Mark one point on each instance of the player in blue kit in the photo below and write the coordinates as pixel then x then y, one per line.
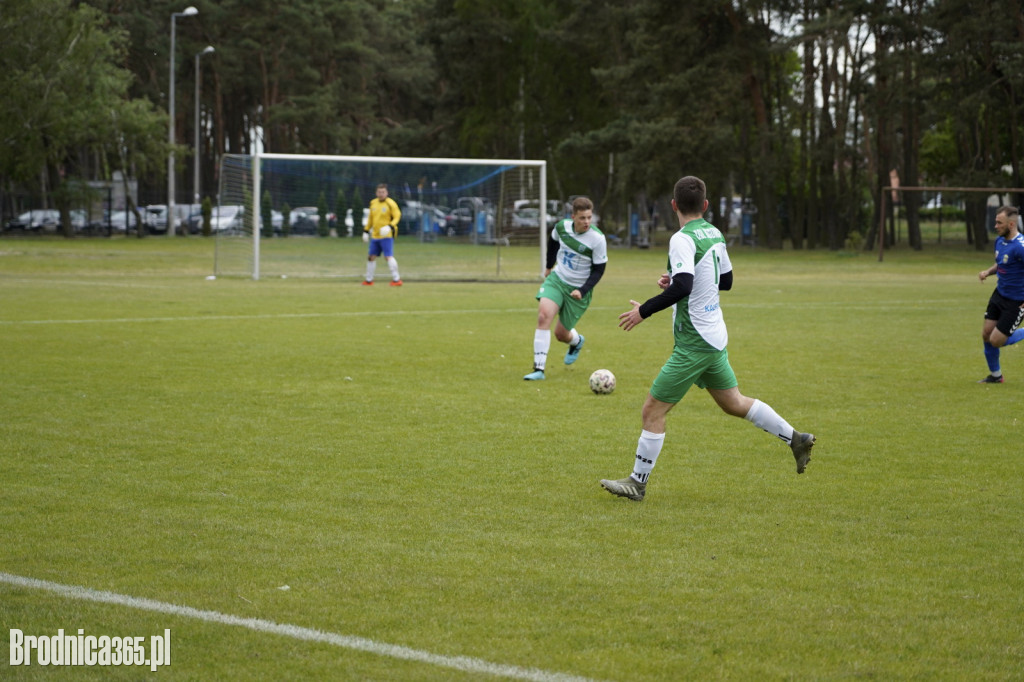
pixel 1005 312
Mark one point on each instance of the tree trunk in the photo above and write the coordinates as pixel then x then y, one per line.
pixel 883 138
pixel 976 213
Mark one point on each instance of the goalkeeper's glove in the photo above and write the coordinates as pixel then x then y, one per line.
pixel 366 236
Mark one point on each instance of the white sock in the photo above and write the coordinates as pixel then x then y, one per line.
pixel 764 417
pixel 575 337
pixel 647 450
pixel 393 265
pixel 541 345
pixel 371 267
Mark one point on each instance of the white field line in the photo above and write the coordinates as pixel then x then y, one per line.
pixel 889 305
pixel 266 316
pixel 90 282
pixel 462 663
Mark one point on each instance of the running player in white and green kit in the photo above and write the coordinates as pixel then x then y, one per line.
pixel 576 258
pixel 698 268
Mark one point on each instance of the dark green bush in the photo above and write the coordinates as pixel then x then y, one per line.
pixel 945 213
pixel 286 222
pixel 207 214
pixel 323 226
pixel 267 215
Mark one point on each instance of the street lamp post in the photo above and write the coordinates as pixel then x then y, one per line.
pixel 189 12
pixel 195 165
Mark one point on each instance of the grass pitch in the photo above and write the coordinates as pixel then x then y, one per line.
pixel 207 443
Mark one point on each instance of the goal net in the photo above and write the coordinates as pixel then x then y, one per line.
pixel 290 215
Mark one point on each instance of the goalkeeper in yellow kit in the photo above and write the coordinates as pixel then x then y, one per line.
pixel 381 228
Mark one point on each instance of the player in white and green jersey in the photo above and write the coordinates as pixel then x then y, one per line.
pixel 576 257
pixel 698 269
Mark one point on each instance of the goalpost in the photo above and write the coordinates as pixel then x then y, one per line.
pixel 303 215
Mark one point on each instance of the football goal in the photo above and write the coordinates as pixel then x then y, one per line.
pixel 298 215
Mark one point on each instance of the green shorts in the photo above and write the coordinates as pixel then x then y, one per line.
pixel 685 368
pixel 569 309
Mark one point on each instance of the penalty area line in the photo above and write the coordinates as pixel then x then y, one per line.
pixel 461 663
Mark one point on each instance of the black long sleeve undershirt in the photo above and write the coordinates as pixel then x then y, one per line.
pixel 552 254
pixel 596 272
pixel 680 288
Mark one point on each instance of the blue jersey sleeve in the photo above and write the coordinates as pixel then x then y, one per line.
pixel 1010 267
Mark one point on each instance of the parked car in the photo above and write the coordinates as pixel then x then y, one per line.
pixel 413 212
pixel 36 220
pixel 79 220
pixel 227 219
pixel 183 215
pixel 49 221
pixel 556 209
pixel 121 221
pixel 155 217
pixel 527 216
pixel 304 220
pixel 276 221
pixel 95 224
pixel 461 220
pixel 194 223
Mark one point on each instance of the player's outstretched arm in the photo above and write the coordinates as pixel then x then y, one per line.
pixel 631 318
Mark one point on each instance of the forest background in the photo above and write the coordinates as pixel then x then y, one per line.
pixel 805 109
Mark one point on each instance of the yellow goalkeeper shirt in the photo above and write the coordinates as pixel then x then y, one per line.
pixel 383 213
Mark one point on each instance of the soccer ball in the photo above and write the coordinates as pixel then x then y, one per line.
pixel 602 382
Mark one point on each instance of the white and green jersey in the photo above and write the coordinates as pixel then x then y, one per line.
pixel 577 252
pixel 698 248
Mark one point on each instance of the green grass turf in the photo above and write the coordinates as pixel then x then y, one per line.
pixel 204 443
